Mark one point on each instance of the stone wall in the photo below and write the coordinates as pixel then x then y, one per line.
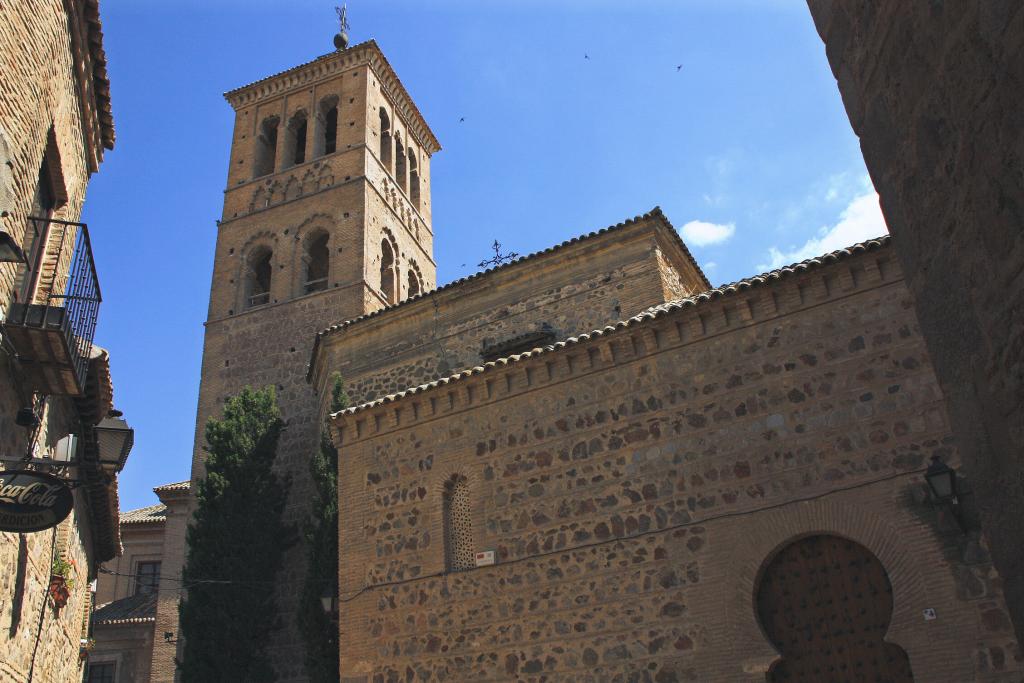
pixel 40 92
pixel 572 289
pixel 633 484
pixel 933 91
pixel 36 637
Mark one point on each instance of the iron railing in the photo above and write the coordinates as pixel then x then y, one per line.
pixel 63 291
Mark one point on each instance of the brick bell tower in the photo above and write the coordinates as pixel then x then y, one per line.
pixel 326 217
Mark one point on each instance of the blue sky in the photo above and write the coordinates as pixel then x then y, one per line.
pixel 576 117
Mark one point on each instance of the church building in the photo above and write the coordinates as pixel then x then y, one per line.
pixel 589 463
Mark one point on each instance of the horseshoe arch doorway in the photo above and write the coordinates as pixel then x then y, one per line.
pixel 825 603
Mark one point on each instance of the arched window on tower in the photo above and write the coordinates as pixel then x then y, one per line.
pixel 458 526
pixel 387 272
pixel 266 147
pixel 295 139
pixel 317 262
pixel 414 284
pixel 258 278
pixel 385 139
pixel 414 180
pixel 399 161
pixel 326 141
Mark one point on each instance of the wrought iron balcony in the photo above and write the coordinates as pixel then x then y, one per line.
pixel 52 321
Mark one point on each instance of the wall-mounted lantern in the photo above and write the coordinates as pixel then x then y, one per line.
pixel 115 440
pixel 329 602
pixel 942 481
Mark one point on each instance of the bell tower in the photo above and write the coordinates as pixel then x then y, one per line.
pixel 326 217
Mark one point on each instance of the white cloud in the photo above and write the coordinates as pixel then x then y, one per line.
pixel 702 233
pixel 859 221
pixel 710 266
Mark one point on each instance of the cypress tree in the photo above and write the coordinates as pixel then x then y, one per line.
pixel 236 544
pixel 319 632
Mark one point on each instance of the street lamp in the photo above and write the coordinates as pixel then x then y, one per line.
pixel 114 439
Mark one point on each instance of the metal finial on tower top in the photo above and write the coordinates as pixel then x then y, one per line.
pixel 341 37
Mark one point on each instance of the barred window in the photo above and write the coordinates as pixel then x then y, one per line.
pixel 458 526
pixel 101 672
pixel 147 577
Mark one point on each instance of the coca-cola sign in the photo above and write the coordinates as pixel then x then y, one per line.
pixel 32 501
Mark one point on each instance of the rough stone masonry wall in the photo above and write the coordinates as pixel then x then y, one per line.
pixel 632 486
pixel 35 637
pixel 581 288
pixel 933 90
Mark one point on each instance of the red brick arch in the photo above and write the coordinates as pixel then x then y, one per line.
pixel 914 577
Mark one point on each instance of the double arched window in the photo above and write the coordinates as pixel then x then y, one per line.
pixel 459 554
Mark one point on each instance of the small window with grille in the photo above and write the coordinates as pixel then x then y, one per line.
pixel 147 577
pixel 101 672
pixel 458 526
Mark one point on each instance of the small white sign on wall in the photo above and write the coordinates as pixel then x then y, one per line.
pixel 485 558
pixel 929 614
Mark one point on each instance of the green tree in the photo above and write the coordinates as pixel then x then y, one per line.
pixel 318 629
pixel 236 543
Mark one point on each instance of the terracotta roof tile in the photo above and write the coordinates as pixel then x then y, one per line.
pixel 152 513
pixel 137 609
pixel 176 486
pixel 101 81
pixel 649 314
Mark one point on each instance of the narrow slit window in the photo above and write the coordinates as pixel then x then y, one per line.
pixel 387 271
pixel 297 139
pixel 260 273
pixel 399 162
pixel 266 147
pixel 317 264
pixel 458 526
pixel 385 139
pixel 414 180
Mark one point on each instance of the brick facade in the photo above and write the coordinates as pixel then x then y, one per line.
pixel 933 92
pixel 54 105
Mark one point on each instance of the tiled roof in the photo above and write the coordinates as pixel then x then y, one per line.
pixel 176 486
pixel 649 314
pixel 101 82
pixel 655 213
pixel 138 609
pixel 153 513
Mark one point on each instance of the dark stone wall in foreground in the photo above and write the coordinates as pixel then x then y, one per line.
pixel 933 90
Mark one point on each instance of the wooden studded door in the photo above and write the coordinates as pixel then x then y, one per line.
pixel 826 602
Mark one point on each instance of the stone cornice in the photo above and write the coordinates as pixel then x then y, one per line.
pixel 327 66
pixel 679 323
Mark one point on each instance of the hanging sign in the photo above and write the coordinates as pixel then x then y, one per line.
pixel 32 501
